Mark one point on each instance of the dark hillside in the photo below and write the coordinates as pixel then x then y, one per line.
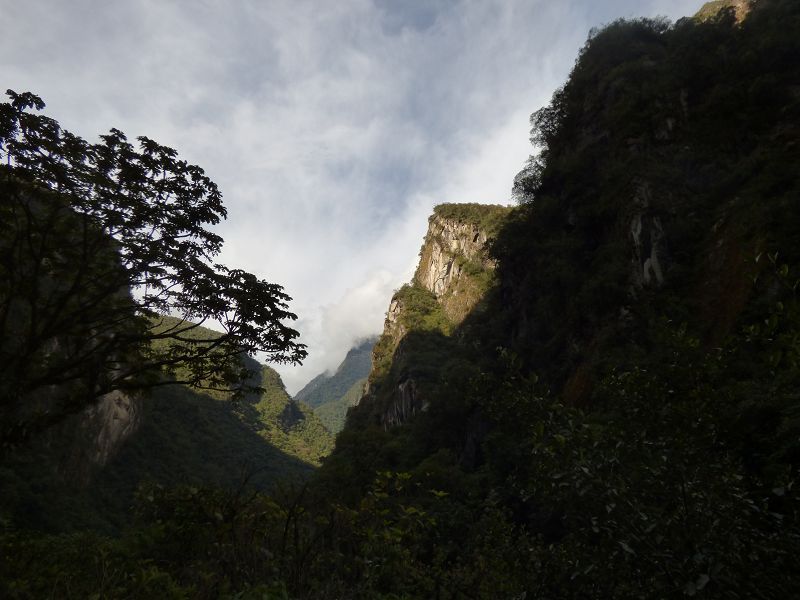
pixel 86 473
pixel 626 391
pixel 591 395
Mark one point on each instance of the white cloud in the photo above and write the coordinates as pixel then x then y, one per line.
pixel 332 128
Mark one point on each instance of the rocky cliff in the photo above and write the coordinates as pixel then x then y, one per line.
pixel 711 9
pixel 454 262
pixel 97 433
pixel 454 273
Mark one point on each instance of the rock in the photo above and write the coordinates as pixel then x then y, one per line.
pixel 455 267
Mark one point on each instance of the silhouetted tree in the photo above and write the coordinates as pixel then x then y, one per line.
pixel 97 243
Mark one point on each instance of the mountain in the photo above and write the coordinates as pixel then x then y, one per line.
pixel 590 395
pixel 332 395
pixel 416 348
pixel 334 413
pixel 615 413
pixel 711 10
pixel 326 388
pixel 86 472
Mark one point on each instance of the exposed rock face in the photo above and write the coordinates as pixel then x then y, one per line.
pixel 407 402
pixel 99 432
pixel 114 418
pixel 447 241
pixel 710 9
pixel 649 245
pixel 451 247
pixel 456 268
pixel 392 325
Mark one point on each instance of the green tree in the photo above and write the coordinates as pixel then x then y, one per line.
pixel 98 241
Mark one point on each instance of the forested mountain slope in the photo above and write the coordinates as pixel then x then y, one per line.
pixel 590 395
pixel 623 403
pixel 87 471
pixel 330 395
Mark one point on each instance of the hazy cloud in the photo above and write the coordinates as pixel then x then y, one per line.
pixel 332 128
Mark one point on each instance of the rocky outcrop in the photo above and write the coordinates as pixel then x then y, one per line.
pixel 711 9
pixel 649 244
pixel 455 269
pixel 392 326
pixel 447 245
pixel 97 433
pixel 406 403
pixel 453 255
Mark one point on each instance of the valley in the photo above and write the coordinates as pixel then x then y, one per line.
pixel 589 394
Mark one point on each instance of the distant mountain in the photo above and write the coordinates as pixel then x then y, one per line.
pixel 326 388
pixel 333 413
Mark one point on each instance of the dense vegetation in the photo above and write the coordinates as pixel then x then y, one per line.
pixel 619 417
pixel 330 395
pixel 613 429
pixel 179 435
pixel 98 239
pixel 333 413
pixel 489 218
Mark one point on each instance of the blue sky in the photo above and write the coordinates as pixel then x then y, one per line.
pixel 332 128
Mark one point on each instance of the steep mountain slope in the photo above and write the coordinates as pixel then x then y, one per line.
pixel 284 423
pixel 334 413
pixel 623 402
pixel 331 395
pixel 326 388
pixel 85 473
pixel 612 413
pixel 454 273
pixel 288 424
pixel 711 9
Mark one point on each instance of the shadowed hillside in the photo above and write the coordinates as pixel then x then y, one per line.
pixel 590 395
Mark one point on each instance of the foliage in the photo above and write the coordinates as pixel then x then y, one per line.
pixel 100 239
pixel 587 434
pixel 654 130
pixel 326 387
pixel 421 311
pixel 289 425
pixel 488 218
pixel 333 414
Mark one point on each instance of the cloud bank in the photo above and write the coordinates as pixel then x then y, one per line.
pixel 332 128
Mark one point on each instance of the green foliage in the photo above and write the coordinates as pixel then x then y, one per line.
pixel 326 388
pixel 488 218
pixel 288 425
pixel 101 238
pixel 80 566
pixel 684 130
pixel 333 414
pixel 654 490
pixel 670 472
pixel 421 311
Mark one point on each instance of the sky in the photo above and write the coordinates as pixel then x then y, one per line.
pixel 331 127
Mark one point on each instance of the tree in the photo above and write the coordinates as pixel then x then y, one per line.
pixel 98 243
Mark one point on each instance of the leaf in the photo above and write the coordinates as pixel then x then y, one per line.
pixel 701 582
pixel 627 548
